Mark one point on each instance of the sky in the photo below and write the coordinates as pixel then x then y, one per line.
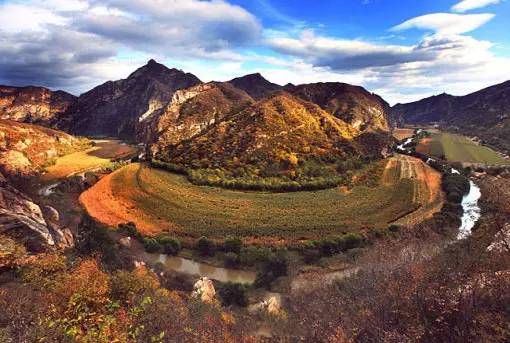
pixel 403 50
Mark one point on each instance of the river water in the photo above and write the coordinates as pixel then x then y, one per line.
pixel 472 212
pixel 191 267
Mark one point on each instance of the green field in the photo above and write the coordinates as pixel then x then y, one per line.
pixel 162 201
pixel 457 148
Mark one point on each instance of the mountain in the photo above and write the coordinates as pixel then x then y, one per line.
pixel 26 148
pixel 115 108
pixel 485 113
pixel 33 104
pixel 274 129
pixel 353 104
pixel 255 85
pixel 192 111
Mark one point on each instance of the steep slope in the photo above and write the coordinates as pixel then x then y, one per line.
pixel 26 148
pixel 354 105
pixel 281 128
pixel 117 107
pixel 255 85
pixel 485 113
pixel 33 104
pixel 192 111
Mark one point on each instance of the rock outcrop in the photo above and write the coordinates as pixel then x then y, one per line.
pixel 116 108
pixel 22 220
pixel 33 104
pixel 204 290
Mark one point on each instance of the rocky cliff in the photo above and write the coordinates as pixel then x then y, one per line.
pixel 33 104
pixel 192 111
pixel 25 148
pixel 356 106
pixel 116 108
pixel 23 220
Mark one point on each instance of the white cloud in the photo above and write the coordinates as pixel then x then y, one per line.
pixel 446 23
pixel 467 5
pixel 343 54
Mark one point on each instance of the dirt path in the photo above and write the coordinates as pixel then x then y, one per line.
pixel 110 207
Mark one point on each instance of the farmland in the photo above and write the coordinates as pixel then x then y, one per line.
pixel 161 201
pixel 97 156
pixel 457 148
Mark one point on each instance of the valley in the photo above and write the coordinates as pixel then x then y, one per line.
pixel 247 210
pixel 159 201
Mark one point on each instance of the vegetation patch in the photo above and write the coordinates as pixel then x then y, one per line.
pixel 158 201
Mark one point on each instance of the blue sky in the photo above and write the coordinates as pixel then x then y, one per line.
pixel 402 50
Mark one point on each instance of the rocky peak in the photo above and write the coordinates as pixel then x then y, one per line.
pixel 117 108
pixel 255 85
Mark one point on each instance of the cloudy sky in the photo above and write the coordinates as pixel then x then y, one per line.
pixel 402 50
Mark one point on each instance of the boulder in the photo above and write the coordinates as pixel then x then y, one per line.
pixel 204 290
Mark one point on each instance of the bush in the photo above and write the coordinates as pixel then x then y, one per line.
pixel 274 266
pixel 151 245
pixel 253 255
pixel 169 245
pixel 311 256
pixel 231 260
pixel 206 246
pixel 233 294
pixel 233 245
pixel 332 245
pixel 130 230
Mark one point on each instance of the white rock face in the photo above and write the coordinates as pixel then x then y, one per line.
pixel 204 290
pixel 501 241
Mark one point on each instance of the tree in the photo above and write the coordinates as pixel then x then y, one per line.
pixel 206 246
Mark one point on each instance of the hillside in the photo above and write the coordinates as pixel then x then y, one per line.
pixel 192 111
pixel 33 104
pixel 281 129
pixel 115 108
pixel 255 85
pixel 485 113
pixel 356 106
pixel 25 148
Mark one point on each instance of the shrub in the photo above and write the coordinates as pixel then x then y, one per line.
pixel 273 267
pixel 394 228
pixel 311 256
pixel 253 255
pixel 151 245
pixel 206 246
pixel 233 294
pixel 130 230
pixel 231 260
pixel 169 245
pixel 233 245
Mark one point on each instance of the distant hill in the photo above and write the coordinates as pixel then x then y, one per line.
pixel 485 113
pixel 356 106
pixel 116 107
pixel 33 104
pixel 255 85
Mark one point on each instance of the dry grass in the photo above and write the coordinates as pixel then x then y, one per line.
pixel 402 134
pixel 98 156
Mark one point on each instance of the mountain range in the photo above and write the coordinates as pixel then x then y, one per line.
pixel 485 113
pixel 174 112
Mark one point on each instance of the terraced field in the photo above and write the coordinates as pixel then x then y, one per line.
pixel 160 201
pixel 98 156
pixel 457 148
